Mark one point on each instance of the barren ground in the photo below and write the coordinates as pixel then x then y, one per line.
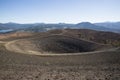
pixel 101 65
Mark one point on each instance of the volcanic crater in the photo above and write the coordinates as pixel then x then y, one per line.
pixel 58 44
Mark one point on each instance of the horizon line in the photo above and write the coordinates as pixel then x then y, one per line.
pixel 58 22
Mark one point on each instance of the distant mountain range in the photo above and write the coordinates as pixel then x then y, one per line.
pixel 112 25
pixel 40 27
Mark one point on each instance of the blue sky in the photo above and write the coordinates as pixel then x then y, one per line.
pixel 55 11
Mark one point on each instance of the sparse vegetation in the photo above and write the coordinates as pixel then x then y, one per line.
pixel 92 35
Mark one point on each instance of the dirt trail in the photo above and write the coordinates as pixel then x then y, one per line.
pixel 3 42
pixel 12 46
